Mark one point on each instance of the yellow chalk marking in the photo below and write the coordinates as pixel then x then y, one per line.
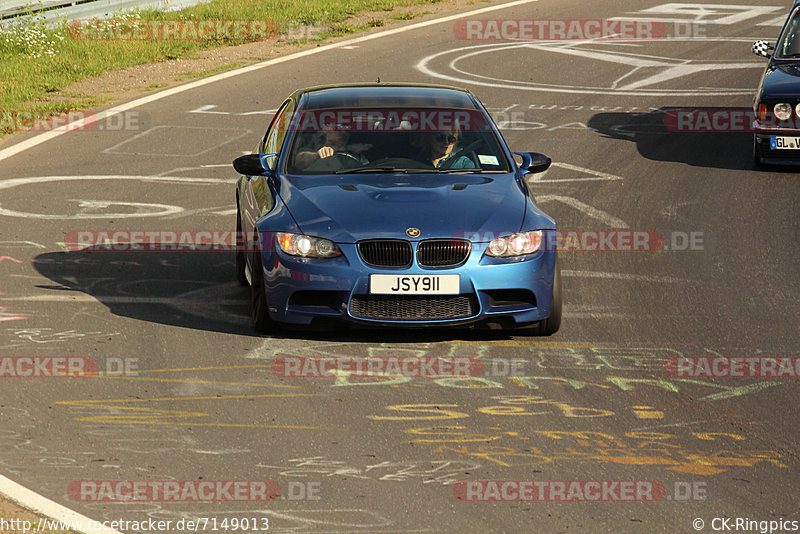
pixel 519 343
pixel 197 381
pixel 213 368
pixel 149 416
pixel 647 412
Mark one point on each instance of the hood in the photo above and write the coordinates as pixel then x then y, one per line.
pixel 349 208
pixel 782 80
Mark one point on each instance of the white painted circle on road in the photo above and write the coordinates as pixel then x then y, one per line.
pixel 145 209
pixel 450 66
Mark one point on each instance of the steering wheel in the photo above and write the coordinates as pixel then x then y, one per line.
pixel 338 161
pixel 454 157
pixel 347 156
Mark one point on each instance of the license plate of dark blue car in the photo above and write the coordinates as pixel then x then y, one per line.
pixel 778 143
pixel 434 284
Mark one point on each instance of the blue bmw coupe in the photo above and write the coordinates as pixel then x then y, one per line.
pixel 393 205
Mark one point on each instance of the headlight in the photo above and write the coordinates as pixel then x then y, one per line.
pixel 516 244
pixel 307 246
pixel 783 111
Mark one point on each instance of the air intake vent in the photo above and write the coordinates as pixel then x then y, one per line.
pixel 413 307
pixel 385 252
pixel 443 252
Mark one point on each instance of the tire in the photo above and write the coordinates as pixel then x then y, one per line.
pixel 259 309
pixel 549 326
pixel 241 265
pixel 757 163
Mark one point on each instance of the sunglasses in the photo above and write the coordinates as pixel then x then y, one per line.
pixel 338 127
pixel 441 138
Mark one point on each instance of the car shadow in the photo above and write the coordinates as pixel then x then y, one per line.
pixel 659 137
pixel 183 288
pixel 198 290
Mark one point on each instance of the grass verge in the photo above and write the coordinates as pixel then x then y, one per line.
pixel 14 520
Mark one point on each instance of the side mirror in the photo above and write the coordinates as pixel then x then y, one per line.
pixel 252 164
pixel 762 48
pixel 534 162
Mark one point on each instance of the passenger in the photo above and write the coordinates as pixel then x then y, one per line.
pixel 436 149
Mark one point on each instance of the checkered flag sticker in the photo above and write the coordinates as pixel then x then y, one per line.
pixel 761 48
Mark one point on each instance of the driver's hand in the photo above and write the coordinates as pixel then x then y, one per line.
pixel 325 152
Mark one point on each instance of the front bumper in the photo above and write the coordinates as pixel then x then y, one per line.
pixel 767 154
pixel 508 291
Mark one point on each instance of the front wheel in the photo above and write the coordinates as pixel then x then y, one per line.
pixel 757 163
pixel 241 266
pixel 259 309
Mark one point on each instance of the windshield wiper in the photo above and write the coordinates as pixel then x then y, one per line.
pixel 472 171
pixel 389 169
pixel 381 169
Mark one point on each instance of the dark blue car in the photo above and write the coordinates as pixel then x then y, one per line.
pixel 393 205
pixel 776 140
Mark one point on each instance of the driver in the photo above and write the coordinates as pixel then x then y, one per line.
pixel 337 140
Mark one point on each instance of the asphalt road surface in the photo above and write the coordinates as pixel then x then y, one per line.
pixel 192 394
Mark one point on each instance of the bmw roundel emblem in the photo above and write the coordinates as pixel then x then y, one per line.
pixel 413 232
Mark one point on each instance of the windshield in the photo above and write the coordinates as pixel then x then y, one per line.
pixel 344 141
pixel 788 46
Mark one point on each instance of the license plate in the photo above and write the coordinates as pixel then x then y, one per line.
pixel 784 143
pixel 430 284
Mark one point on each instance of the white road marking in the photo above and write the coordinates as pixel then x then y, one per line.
pixel 209 107
pixel 218 210
pixel 625 276
pixel 110 299
pixel 777 21
pixel 702 13
pixel 220 452
pixel 591 211
pixel 593 175
pixel 225 213
pixel 171 131
pixel 16 182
